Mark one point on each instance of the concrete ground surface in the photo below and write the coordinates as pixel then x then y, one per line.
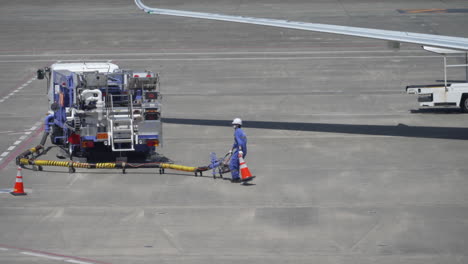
pixel 348 169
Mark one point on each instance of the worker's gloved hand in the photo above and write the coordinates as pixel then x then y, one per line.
pixel 230 152
pixel 241 154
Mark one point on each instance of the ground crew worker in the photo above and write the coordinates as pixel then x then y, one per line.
pixel 240 144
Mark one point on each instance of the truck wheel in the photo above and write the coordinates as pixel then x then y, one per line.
pixel 464 104
pixel 56 132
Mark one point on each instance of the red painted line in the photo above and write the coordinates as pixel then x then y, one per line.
pixel 54 254
pixel 21 148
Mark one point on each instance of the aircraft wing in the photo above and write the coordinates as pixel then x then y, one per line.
pixel 446 42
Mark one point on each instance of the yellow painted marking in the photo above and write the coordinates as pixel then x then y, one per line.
pixel 432 10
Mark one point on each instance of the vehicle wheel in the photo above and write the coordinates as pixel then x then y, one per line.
pixel 56 132
pixel 464 104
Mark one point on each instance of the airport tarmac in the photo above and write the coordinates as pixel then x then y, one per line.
pixel 348 169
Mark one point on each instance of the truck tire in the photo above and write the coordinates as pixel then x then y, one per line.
pixel 464 104
pixel 56 132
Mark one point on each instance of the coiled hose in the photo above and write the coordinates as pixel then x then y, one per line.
pixel 26 158
pixel 109 165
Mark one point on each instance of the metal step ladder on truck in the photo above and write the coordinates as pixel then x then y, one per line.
pixel 100 106
pixel 448 93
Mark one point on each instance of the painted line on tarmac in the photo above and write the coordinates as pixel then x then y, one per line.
pixel 10 148
pixel 41 255
pixel 7 156
pixel 432 10
pixel 319 42
pixel 213 53
pixel 17 89
pixel 52 256
pixel 77 261
pixel 243 59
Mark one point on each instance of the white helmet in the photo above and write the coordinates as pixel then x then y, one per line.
pixel 237 121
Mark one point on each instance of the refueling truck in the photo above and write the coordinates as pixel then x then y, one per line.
pixel 100 106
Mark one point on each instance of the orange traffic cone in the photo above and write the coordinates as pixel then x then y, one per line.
pixel 244 170
pixel 18 190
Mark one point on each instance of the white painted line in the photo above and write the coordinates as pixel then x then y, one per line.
pixel 21 139
pixel 145 54
pixel 41 255
pixel 3 249
pixel 245 59
pixel 276 58
pixel 77 261
pixel 16 90
pixel 5 191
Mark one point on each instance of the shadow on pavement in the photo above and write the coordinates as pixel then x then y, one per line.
pixel 399 130
pixel 437 111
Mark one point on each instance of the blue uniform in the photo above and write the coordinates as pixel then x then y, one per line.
pixel 240 142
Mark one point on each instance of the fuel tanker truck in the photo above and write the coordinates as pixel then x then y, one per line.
pixel 98 106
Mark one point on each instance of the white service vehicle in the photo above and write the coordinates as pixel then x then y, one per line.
pixel 445 94
pixel 437 95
